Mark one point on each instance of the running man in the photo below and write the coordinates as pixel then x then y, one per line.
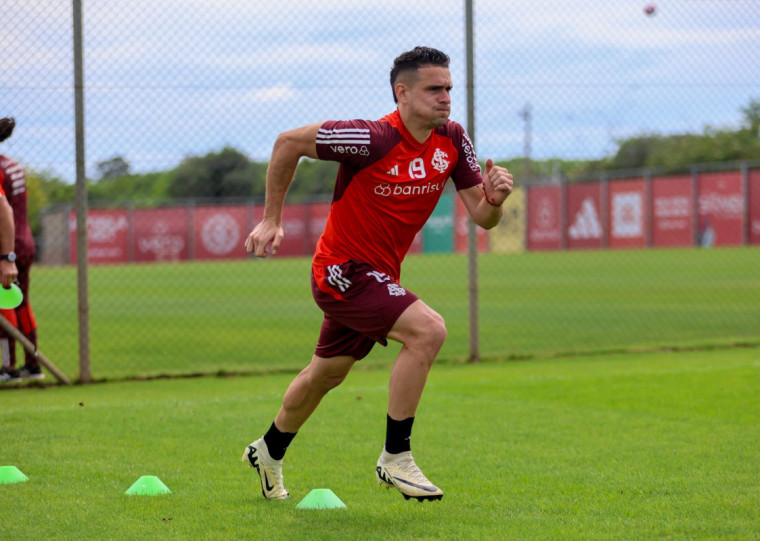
pixel 391 175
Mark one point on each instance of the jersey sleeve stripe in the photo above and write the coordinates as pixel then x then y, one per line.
pixel 356 136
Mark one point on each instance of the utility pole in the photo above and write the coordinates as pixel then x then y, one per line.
pixel 526 113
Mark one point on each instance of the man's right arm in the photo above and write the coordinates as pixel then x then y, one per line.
pixel 289 148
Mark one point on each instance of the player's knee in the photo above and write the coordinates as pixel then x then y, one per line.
pixel 325 382
pixel 438 331
pixel 431 334
pixel 330 382
pixel 324 379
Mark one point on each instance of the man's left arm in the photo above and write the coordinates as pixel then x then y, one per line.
pixel 484 201
pixel 8 270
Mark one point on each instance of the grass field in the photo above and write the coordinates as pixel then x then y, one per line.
pixel 620 446
pixel 258 316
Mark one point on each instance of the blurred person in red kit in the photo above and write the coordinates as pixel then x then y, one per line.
pixel 16 258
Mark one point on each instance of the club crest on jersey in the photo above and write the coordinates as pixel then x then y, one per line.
pixel 439 161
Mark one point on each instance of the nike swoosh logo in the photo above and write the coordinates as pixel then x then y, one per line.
pixel 266 482
pixel 421 487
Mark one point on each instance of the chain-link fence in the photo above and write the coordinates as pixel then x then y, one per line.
pixel 559 87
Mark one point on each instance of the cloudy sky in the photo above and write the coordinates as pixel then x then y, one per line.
pixel 165 80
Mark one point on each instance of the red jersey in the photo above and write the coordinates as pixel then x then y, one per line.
pixel 13 182
pixel 387 187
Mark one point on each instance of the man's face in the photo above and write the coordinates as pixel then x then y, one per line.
pixel 427 96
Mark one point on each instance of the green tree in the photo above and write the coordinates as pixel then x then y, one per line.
pixel 679 151
pixel 36 201
pixel 51 189
pixel 113 168
pixel 313 177
pixel 752 116
pixel 227 173
pixel 139 189
pixel 635 152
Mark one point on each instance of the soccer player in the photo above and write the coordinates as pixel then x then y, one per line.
pixel 391 175
pixel 21 255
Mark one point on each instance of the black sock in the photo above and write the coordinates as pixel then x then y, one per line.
pixel 398 435
pixel 277 442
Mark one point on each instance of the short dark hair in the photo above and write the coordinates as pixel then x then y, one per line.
pixel 414 60
pixel 6 127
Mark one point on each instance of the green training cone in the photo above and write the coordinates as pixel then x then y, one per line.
pixel 10 297
pixel 320 498
pixel 11 474
pixel 148 485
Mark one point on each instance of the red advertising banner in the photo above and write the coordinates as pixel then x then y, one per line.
pixel 296 240
pixel 672 211
pixel 161 234
pixel 753 206
pixel 544 218
pixel 219 232
pixel 627 214
pixel 461 221
pixel 107 236
pixel 316 221
pixel 303 225
pixel 623 215
pixel 584 221
pixel 720 208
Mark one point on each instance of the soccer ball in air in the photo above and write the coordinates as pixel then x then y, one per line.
pixel 649 9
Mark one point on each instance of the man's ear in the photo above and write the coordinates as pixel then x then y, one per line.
pixel 400 89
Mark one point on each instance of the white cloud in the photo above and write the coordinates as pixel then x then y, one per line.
pixel 593 70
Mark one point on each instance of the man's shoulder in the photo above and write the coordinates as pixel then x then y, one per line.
pixel 6 165
pixel 381 123
pixel 452 129
pixel 361 139
pixel 355 129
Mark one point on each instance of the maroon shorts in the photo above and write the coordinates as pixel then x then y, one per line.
pixel 361 305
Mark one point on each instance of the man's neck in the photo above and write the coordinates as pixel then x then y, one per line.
pixel 420 133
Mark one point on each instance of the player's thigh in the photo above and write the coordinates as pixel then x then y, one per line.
pixel 418 322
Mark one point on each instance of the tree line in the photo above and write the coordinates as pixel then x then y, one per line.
pixel 229 173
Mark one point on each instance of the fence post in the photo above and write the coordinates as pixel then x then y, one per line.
pixel 696 236
pixel 648 208
pixel 190 225
pixel 604 210
pixel 744 167
pixel 81 198
pixel 563 214
pixel 472 234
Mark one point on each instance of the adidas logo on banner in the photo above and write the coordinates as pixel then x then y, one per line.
pixel 586 224
pixel 393 171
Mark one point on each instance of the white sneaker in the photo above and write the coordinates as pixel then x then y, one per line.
pixel 31 372
pixel 401 471
pixel 270 470
pixel 9 376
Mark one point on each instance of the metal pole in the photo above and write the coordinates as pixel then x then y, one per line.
pixel 472 236
pixel 81 198
pixel 526 113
